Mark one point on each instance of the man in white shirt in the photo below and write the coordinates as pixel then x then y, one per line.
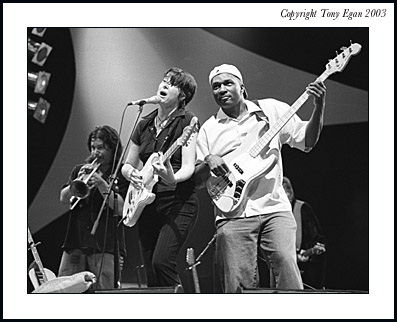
pixel 252 213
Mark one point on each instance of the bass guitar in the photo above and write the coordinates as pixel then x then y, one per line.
pixel 253 158
pixel 137 199
pixel 40 275
pixel 191 261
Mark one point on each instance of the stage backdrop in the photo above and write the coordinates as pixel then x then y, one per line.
pixel 117 65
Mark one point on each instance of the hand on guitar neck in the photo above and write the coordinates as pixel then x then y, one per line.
pixel 304 255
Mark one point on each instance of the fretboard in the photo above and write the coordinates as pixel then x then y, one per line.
pixel 271 133
pixel 171 150
pixel 36 256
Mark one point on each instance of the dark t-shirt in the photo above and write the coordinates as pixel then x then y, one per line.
pixel 145 137
pixel 84 215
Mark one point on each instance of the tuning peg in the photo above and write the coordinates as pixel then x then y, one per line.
pixel 343 48
pixel 336 58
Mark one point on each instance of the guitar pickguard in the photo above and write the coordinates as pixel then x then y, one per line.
pixel 137 200
pixel 229 192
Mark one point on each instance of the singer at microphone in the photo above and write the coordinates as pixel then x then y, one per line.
pixel 151 100
pixel 168 179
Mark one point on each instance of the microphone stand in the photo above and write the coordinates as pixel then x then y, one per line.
pixel 197 260
pixel 116 249
pixel 113 176
pixel 205 249
pixel 113 179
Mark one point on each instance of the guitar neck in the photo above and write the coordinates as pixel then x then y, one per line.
pixel 190 259
pixel 36 256
pixel 187 132
pixel 271 133
pixel 171 150
pixel 196 280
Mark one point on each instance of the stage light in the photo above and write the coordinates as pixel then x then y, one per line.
pixel 39 51
pixel 39 81
pixel 39 31
pixel 40 109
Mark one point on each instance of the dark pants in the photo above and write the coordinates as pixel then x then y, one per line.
pixel 77 260
pixel 163 228
pixel 314 271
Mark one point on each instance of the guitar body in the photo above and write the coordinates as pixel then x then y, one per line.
pixel 230 192
pixel 37 278
pixel 38 274
pixel 137 199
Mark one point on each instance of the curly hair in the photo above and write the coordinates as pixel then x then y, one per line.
pixel 184 81
pixel 110 139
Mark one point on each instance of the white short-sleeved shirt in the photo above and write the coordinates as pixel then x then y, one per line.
pixel 220 135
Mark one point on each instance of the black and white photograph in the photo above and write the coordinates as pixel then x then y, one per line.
pixel 177 158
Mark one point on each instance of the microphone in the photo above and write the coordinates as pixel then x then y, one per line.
pixel 151 100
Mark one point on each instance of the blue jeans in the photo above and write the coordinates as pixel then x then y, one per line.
pixel 76 261
pixel 241 241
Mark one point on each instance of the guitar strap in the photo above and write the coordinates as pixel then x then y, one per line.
pixel 170 128
pixel 298 219
pixel 257 103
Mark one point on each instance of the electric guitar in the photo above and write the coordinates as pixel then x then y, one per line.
pixel 253 158
pixel 41 275
pixel 317 249
pixel 190 259
pixel 137 199
pixel 312 272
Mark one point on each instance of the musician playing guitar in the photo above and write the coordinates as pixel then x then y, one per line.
pixel 310 240
pixel 166 222
pixel 256 216
pixel 239 162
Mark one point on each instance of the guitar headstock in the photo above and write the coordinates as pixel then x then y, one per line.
pixel 188 131
pixel 190 259
pixel 340 61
